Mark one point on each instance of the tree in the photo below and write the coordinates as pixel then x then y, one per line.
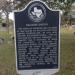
pixel 6 7
pixel 2 3
pixel 63 5
pixel 20 4
pixel 66 6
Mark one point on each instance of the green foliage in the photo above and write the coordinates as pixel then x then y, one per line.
pixel 1 21
pixel 66 5
pixel 22 4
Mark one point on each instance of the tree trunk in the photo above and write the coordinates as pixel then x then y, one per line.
pixel 7 21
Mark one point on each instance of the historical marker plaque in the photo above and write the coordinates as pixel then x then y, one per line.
pixel 37 37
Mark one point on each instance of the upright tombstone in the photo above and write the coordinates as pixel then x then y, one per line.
pixel 37 40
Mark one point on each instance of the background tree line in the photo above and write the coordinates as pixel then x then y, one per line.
pixel 7 6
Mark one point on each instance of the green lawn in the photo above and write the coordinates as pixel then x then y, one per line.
pixel 7 54
pixel 67 52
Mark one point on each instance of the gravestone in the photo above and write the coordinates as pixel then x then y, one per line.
pixel 4 25
pixel 37 39
pixel 1 40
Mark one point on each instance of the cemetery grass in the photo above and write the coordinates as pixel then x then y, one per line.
pixel 7 54
pixel 67 52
